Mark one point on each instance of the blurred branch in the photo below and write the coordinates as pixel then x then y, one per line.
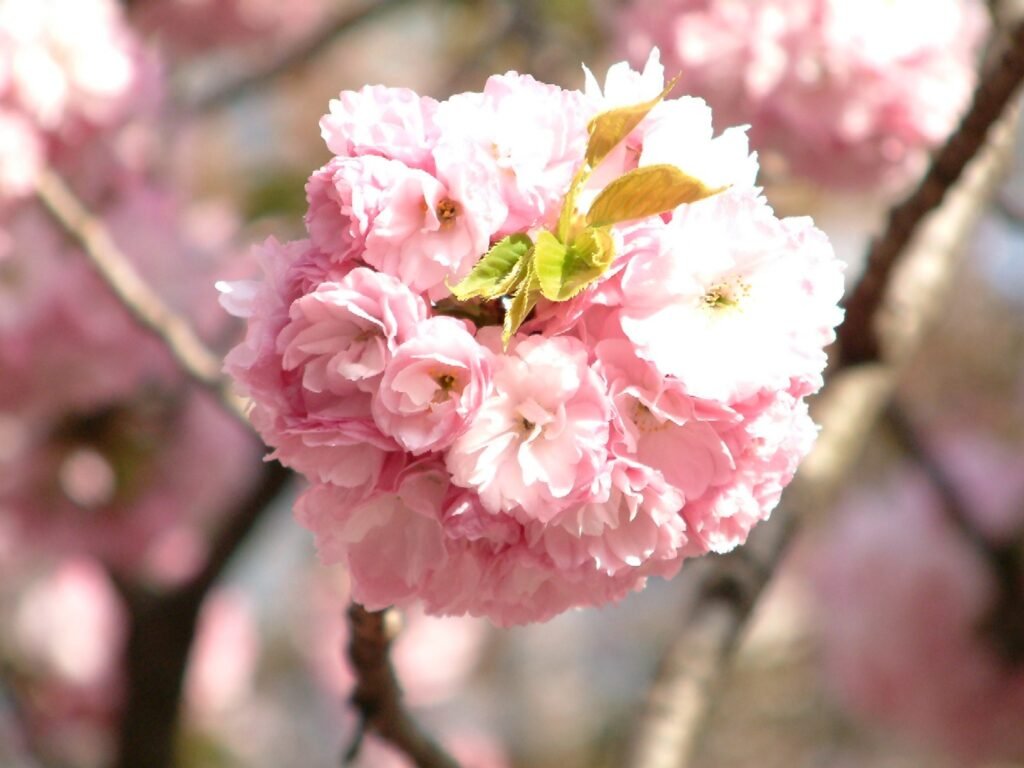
pixel 302 53
pixel 857 336
pixel 161 629
pixel 144 304
pixel 729 586
pixel 507 21
pixel 16 747
pixel 378 696
pixel 1004 622
pixel 161 624
pixel 910 441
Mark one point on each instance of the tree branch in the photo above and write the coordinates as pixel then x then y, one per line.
pixel 161 624
pixel 161 629
pixel 144 304
pixel 857 336
pixel 911 443
pixel 303 53
pixel 1003 623
pixel 729 586
pixel 378 696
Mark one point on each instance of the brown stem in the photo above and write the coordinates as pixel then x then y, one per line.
pixel 161 629
pixel 160 633
pixel 144 304
pixel 857 336
pixel 304 52
pixel 378 696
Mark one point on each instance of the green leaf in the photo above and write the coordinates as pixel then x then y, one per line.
pixel 645 192
pixel 609 128
pixel 497 272
pixel 524 300
pixel 563 271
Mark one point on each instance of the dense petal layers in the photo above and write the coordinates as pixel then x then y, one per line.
pixel 655 416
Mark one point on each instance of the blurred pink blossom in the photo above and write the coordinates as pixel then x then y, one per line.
pixel 224 655
pixel 847 92
pixel 67 67
pixel 907 602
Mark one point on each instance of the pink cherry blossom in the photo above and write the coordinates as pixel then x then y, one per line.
pixel 653 417
pixel 540 440
pixel 432 386
pixel 677 132
pixel 314 430
pixel 532 136
pixel 400 220
pixel 343 333
pixel 395 123
pixel 391 541
pixel 767 442
pixel 638 526
pixel 427 539
pixel 659 426
pixel 756 307
pixel 426 234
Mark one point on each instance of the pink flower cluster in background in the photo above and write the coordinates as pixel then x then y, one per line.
pixel 67 67
pixel 913 635
pixel 655 415
pixel 847 92
pixel 104 448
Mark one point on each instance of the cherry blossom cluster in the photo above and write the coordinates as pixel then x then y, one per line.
pixel 67 67
pixel 920 635
pixel 539 345
pixel 846 92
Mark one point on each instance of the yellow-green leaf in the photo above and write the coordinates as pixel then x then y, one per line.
pixel 612 126
pixel 524 300
pixel 645 192
pixel 563 271
pixel 497 272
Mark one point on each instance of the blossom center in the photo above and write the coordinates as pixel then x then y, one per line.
pixel 725 296
pixel 644 420
pixel 447 211
pixel 445 384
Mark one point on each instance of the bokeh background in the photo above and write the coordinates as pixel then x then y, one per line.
pixel 188 128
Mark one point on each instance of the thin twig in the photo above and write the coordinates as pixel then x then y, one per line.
pixel 957 508
pixel 693 666
pixel 378 696
pixel 144 304
pixel 303 53
pixel 1003 623
pixel 858 336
